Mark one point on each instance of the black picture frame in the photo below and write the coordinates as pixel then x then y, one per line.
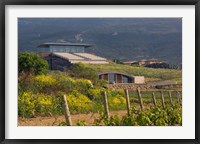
pixel 99 2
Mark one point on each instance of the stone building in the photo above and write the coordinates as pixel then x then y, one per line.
pixel 143 62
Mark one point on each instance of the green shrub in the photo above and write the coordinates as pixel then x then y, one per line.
pixel 114 120
pixel 31 63
pixel 104 120
pixel 81 123
pixel 159 117
pixel 63 82
pixel 128 120
pixel 149 117
pixel 81 70
pixel 101 83
pixel 25 82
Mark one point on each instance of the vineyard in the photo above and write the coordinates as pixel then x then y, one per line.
pixel 157 115
pixel 78 97
pixel 56 94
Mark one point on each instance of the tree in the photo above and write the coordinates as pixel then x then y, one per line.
pixel 162 65
pixel 117 61
pixel 31 63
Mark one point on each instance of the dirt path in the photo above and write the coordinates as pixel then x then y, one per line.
pixel 54 121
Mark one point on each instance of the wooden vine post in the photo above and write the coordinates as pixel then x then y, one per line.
pixel 163 100
pixel 128 102
pixel 154 99
pixel 105 100
pixel 170 98
pixel 140 99
pixel 67 112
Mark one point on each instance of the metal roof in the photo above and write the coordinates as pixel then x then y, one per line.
pixel 101 73
pixel 46 45
pixel 74 58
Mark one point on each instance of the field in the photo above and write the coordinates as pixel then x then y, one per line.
pixel 40 99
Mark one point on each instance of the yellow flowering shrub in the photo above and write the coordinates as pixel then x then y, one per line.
pixel 52 83
pixel 121 91
pixel 83 85
pixel 70 80
pixel 116 103
pixel 95 94
pixel 116 100
pixel 45 83
pixel 26 104
pixel 44 100
pixel 46 96
pixel 79 103
pixel 114 93
pixel 67 84
pixel 84 82
pixel 45 80
pixel 48 104
pixel 30 104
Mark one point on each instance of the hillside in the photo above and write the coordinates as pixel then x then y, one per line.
pixel 157 74
pixel 113 38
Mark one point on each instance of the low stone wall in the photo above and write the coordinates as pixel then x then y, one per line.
pixel 131 86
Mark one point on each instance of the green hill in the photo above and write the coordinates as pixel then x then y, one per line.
pixel 154 74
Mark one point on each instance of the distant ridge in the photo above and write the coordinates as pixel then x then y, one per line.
pixel 118 38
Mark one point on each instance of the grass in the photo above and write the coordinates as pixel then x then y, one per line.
pixel 161 74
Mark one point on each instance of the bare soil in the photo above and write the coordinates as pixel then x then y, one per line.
pixel 56 120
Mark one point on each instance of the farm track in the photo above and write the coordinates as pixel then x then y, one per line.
pixel 55 120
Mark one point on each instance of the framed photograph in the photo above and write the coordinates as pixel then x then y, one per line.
pixel 99 71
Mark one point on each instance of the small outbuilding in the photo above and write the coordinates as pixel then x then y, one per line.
pixel 116 77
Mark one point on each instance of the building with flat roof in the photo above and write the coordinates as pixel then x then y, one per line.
pixel 61 56
pixel 63 47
